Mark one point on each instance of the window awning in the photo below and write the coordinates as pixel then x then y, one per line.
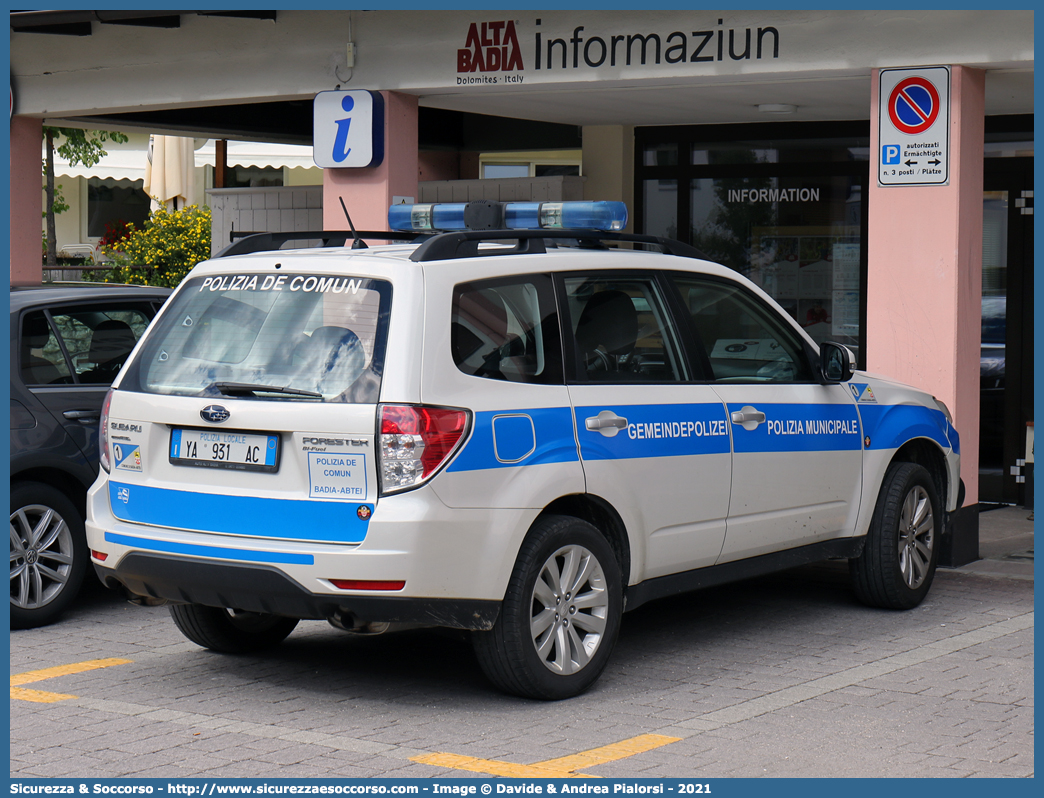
pixel 253 153
pixel 128 163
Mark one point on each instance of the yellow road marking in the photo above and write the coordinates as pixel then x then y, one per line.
pixel 563 767
pixel 42 697
pixel 38 696
pixel 609 753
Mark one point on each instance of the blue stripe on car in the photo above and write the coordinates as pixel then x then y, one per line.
pixel 799 428
pixel 890 426
pixel 293 519
pixel 673 430
pixel 219 552
pixel 511 438
pixel 548 439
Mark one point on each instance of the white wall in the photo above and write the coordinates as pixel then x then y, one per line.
pixel 259 210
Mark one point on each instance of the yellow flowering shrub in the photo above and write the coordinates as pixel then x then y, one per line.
pixel 160 253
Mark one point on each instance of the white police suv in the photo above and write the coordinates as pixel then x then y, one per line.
pixel 515 428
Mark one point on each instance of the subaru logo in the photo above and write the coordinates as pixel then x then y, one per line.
pixel 215 414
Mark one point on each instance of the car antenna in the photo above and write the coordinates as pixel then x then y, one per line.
pixel 358 243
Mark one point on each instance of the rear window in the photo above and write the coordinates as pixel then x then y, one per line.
pixel 280 337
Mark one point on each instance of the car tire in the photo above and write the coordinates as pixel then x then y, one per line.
pixel 560 616
pixel 48 554
pixel 898 562
pixel 230 631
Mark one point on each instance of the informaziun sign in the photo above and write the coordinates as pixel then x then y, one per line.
pixel 493 51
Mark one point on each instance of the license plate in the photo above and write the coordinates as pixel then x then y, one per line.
pixel 245 451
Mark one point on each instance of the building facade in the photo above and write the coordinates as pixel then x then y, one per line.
pixel 762 137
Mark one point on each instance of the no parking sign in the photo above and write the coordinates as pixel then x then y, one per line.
pixel 914 127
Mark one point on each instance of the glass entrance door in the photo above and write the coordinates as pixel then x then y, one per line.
pixel 798 238
pixel 1006 360
pixel 777 203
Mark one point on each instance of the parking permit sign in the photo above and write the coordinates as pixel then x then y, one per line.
pixel 914 127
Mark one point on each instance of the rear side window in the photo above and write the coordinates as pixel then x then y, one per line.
pixel 507 329
pixel 95 340
pixel 41 359
pixel 307 337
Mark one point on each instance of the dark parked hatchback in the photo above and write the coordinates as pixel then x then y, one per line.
pixel 68 342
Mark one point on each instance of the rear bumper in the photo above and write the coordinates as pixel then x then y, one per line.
pixel 259 588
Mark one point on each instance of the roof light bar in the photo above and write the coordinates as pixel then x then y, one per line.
pixel 607 216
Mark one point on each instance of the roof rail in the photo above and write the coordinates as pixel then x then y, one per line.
pixel 465 243
pixel 264 242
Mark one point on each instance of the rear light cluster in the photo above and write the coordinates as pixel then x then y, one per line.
pixel 415 442
pixel 103 433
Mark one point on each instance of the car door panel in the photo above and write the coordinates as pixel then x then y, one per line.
pixel 88 344
pixel 654 443
pixel 797 444
pixel 796 475
pixel 666 470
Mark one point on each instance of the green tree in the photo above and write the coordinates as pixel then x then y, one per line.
pixel 77 147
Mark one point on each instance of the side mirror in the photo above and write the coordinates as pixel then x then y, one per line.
pixel 835 362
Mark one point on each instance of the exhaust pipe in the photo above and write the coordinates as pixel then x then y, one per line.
pixel 133 598
pixel 347 622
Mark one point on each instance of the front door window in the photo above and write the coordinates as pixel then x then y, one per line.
pixel 620 331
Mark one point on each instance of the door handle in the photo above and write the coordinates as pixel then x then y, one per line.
pixel 85 417
pixel 748 418
pixel 607 423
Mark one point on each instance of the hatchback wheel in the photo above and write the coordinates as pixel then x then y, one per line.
pixel 897 565
pixel 48 554
pixel 560 617
pixel 231 631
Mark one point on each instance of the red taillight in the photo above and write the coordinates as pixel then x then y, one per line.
pixel 415 441
pixel 103 432
pixel 101 556
pixel 367 584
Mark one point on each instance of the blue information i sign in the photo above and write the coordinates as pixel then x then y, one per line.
pixel 348 129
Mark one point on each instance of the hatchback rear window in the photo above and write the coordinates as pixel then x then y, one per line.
pixel 280 337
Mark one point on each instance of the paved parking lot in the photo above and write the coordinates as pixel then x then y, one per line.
pixel 778 676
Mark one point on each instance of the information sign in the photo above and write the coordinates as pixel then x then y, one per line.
pixel 347 129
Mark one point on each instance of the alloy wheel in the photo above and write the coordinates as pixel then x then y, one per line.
pixel 570 606
pixel 41 556
pixel 916 536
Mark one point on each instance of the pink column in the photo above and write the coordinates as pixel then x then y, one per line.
pixel 26 206
pixel 367 193
pixel 924 288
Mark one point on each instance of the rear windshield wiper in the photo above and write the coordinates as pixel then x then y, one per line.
pixel 250 389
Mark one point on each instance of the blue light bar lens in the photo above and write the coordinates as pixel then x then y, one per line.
pixel 442 216
pixel 517 216
pixel 401 217
pixel 448 216
pixel 584 215
pixel 522 215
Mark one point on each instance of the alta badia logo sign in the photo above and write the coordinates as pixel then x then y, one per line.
pixel 490 47
pixel 492 55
